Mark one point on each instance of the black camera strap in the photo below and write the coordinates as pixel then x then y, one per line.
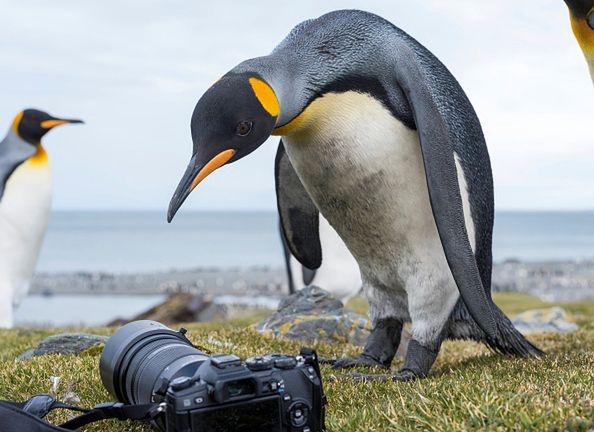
pixel 28 416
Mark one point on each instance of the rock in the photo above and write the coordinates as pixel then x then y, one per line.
pixel 553 319
pixel 180 307
pixel 313 314
pixel 64 343
pixel 188 307
pixel 310 300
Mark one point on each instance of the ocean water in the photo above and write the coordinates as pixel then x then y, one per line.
pixel 143 241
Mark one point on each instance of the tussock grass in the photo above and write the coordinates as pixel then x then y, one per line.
pixel 469 389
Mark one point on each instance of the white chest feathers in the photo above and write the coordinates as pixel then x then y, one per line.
pixel 24 212
pixel 364 170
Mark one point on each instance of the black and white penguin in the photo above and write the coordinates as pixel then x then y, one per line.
pixel 581 16
pixel 379 137
pixel 25 200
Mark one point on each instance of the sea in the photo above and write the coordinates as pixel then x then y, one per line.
pixel 132 242
pixel 118 241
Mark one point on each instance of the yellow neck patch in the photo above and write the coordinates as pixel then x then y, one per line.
pixel 265 96
pixel 293 125
pixel 40 157
pixel 16 122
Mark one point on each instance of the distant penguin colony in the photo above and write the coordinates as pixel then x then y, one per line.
pixel 25 199
pixel 581 15
pixel 379 138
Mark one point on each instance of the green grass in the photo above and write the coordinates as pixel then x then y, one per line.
pixel 469 389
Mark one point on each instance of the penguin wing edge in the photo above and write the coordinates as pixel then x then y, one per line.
pixel 436 124
pixel 298 214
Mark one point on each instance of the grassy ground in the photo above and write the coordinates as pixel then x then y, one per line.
pixel 469 389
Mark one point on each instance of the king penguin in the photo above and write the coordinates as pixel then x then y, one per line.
pixel 25 199
pixel 379 138
pixel 581 16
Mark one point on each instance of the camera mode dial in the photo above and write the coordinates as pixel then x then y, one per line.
pixel 259 363
pixel 285 362
pixel 180 383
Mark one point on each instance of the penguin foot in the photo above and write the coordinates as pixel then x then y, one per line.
pixel 380 348
pixel 406 375
pixel 361 361
pixel 418 361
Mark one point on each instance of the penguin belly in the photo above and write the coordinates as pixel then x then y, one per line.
pixel 24 213
pixel 363 169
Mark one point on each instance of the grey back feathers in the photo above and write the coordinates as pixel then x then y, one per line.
pixel 13 152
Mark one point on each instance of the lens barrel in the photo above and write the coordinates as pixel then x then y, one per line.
pixel 140 355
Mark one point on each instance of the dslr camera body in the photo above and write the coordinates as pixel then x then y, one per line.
pixel 146 362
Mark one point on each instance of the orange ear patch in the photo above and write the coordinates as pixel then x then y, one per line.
pixel 584 34
pixel 265 96
pixel 16 122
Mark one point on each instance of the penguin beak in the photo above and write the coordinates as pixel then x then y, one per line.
pixel 197 170
pixel 52 123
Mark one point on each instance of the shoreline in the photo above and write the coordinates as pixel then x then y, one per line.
pixel 563 280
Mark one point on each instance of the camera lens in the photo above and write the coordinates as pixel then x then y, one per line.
pixel 140 355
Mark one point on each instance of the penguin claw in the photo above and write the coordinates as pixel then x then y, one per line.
pixel 360 361
pixel 402 376
pixel 405 375
pixel 369 378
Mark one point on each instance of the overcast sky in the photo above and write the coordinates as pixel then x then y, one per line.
pixel 133 70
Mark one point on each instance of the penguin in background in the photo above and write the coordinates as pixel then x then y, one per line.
pixel 581 16
pixel 338 273
pixel 379 137
pixel 25 201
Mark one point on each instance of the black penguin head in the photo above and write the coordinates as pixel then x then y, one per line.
pixel 233 118
pixel 31 124
pixel 580 8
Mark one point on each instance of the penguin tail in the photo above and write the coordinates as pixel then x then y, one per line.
pixel 508 340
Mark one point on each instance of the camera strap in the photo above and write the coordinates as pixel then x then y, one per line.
pixel 28 416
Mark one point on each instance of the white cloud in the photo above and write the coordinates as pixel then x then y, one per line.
pixel 134 70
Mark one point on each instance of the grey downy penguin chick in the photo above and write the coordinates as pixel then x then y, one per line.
pixel 379 137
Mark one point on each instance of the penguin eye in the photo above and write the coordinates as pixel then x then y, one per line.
pixel 590 19
pixel 243 128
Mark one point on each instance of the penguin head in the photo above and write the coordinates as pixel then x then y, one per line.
pixel 581 14
pixel 32 124
pixel 232 119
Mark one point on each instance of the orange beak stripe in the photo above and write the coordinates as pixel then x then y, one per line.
pixel 216 162
pixel 48 124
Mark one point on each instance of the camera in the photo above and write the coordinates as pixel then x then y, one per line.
pixel 146 362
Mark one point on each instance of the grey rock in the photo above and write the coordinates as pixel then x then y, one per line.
pixel 64 343
pixel 553 320
pixel 312 314
pixel 310 300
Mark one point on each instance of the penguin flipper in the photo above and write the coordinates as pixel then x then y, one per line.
pixel 437 119
pixel 298 214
